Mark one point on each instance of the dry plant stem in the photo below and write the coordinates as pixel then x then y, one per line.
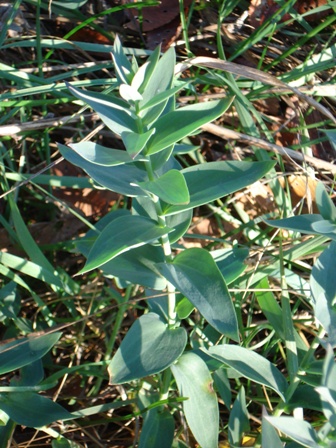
pixel 251 73
pixel 287 152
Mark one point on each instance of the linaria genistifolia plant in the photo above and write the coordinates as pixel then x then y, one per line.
pixel 137 246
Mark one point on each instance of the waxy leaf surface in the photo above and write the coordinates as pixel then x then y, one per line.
pixel 148 348
pixel 121 235
pixel 195 274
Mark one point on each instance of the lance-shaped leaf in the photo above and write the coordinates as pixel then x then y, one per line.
pixel 157 81
pixel 323 287
pixel 31 409
pixel 115 178
pixel 194 382
pixel 160 97
pixel 100 155
pixel 175 125
pixel 22 352
pixel 324 203
pixel 195 274
pixel 251 365
pixel 210 181
pixel 123 67
pixel 298 430
pixel 311 224
pixel 113 111
pixel 144 73
pixel 171 187
pixel 157 430
pixel 134 142
pixel 149 347
pixel 121 235
pixel 270 436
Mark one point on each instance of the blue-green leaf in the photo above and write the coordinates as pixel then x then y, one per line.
pixel 149 347
pixel 100 155
pixel 116 178
pixel 122 65
pixel 251 365
pixel 114 111
pixel 180 222
pixel 298 430
pixel 311 224
pixel 144 73
pixel 269 436
pixel 21 352
pixel 31 409
pixel 138 266
pixel 327 390
pixel 157 430
pixel 121 235
pixel 171 187
pixel 213 180
pixel 238 420
pixel 195 273
pixel 177 124
pixel 194 382
pixel 323 287
pixel 231 262
pixel 324 203
pixel 134 142
pixel 160 80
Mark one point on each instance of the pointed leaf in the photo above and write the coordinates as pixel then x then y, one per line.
pixel 143 74
pixel 113 111
pixel 134 142
pixel 238 420
pixel 298 430
pixel 148 348
pixel 160 97
pixel 231 262
pixel 143 205
pixel 195 274
pixel 251 365
pixel 31 409
pixel 323 287
pixel 194 382
pixel 311 224
pixel 171 187
pixel 138 267
pixel 122 65
pixel 121 235
pixel 22 352
pixel 157 430
pixel 269 436
pixel 324 203
pixel 213 180
pixel 159 81
pixel 116 178
pixel 327 390
pixel 222 385
pixel 129 93
pixel 100 155
pixel 175 125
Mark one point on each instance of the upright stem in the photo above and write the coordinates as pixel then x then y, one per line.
pixel 166 249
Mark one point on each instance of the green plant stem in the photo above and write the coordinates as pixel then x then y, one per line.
pixel 184 29
pixel 291 349
pixel 118 322
pixel 166 379
pixel 111 342
pixel 166 249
